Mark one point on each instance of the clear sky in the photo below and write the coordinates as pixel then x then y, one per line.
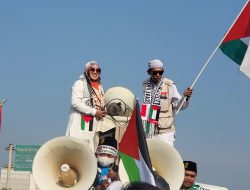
pixel 44 45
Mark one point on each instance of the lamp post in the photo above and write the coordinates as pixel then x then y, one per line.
pixel 10 148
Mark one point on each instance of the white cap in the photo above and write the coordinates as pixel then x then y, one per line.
pixel 155 63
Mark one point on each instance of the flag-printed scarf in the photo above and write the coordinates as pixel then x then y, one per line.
pixel 236 43
pixel 150 108
pixel 97 101
pixel 153 118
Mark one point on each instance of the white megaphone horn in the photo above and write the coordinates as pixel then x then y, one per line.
pixel 166 162
pixel 64 162
pixel 119 101
pixel 119 104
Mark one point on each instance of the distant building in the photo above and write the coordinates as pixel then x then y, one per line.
pixel 20 177
pixel 18 180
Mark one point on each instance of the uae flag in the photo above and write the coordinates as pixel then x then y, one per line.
pixel 135 164
pixel 236 42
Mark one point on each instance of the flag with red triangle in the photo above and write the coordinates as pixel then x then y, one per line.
pixel 236 42
pixel 87 122
pixel 135 164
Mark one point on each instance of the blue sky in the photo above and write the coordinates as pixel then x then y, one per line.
pixel 44 45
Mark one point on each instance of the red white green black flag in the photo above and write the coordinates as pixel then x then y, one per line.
pixel 236 42
pixel 135 164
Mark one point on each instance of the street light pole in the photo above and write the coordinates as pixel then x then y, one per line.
pixel 10 148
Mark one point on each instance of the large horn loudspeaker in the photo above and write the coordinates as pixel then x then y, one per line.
pixel 166 162
pixel 64 162
pixel 119 101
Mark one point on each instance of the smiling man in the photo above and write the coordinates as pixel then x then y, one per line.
pixel 190 175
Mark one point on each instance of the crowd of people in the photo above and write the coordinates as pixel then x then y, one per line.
pixel 160 95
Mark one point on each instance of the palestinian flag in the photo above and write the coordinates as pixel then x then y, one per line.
pixel 236 42
pixel 154 114
pixel 135 164
pixel 153 118
pixel 86 122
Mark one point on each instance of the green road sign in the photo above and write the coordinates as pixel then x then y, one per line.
pixel 24 155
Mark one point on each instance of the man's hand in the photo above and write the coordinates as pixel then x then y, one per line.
pixel 188 92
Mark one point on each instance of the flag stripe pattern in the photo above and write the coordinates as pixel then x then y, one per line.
pixel 133 152
pixel 86 122
pixel 236 42
pixel 152 119
pixel 245 66
pixel 154 112
pixel 130 167
pixel 235 50
pixel 145 111
pixel 240 28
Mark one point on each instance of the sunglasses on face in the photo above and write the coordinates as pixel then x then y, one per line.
pixel 157 72
pixel 98 70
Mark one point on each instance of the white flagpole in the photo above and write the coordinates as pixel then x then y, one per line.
pixel 2 102
pixel 208 60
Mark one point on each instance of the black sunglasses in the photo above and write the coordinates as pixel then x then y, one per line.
pixel 157 72
pixel 98 70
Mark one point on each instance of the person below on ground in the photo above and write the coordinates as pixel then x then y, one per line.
pixel 190 176
pixel 107 170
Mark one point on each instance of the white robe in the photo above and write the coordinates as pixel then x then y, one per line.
pixel 81 104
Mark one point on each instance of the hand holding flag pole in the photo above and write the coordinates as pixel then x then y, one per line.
pixel 208 60
pixel 2 102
